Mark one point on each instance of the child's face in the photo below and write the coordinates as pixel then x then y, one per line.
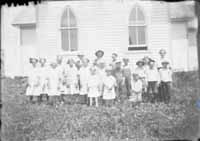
pixel 162 53
pixel 53 66
pixel 114 56
pixel 93 71
pixel 164 65
pixel 135 77
pixel 71 62
pixel 140 65
pixel 151 64
pixel 118 65
pixel 99 54
pixel 125 61
pixel 108 72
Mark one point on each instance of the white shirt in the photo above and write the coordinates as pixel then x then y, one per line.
pixel 71 74
pixel 152 74
pixel 165 75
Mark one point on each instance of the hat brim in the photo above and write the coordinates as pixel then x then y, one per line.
pixel 138 62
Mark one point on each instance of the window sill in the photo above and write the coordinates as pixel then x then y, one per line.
pixel 144 48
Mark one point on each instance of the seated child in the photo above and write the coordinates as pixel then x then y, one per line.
pixel 94 87
pixel 152 80
pixel 136 89
pixel 109 84
pixel 166 80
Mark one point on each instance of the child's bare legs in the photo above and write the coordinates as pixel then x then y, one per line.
pixel 90 101
pixel 96 101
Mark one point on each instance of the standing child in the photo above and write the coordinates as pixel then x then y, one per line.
pixel 153 81
pixel 84 73
pixel 109 85
pixel 140 70
pixel 71 77
pixel 53 83
pixel 127 75
pixel 33 80
pixel 34 88
pixel 166 80
pixel 44 79
pixel 94 85
pixel 136 89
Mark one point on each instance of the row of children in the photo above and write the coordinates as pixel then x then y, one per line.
pixel 115 80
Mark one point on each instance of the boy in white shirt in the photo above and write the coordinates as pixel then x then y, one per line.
pixel 166 80
pixel 152 80
pixel 136 89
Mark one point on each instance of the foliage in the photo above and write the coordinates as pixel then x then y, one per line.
pixel 153 121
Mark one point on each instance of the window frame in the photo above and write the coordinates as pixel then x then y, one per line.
pixel 139 47
pixel 68 9
pixel 22 27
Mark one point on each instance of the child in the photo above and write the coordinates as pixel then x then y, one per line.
pixel 33 81
pixel 43 78
pixel 71 77
pixel 53 83
pixel 152 80
pixel 127 75
pixel 109 84
pixel 84 73
pixel 136 89
pixel 118 74
pixel 140 70
pixel 94 85
pixel 166 80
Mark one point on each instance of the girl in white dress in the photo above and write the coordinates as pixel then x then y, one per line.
pixel 136 89
pixel 94 87
pixel 33 88
pixel 53 82
pixel 84 73
pixel 109 85
pixel 43 79
pixel 71 77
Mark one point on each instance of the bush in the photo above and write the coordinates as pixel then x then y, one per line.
pixel 22 120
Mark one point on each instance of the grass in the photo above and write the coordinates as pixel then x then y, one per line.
pixel 25 121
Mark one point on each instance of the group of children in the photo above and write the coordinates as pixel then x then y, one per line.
pixel 97 80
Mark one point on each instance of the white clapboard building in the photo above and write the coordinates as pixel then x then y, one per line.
pixel 132 28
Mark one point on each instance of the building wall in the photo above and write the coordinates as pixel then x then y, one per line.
pixel 101 25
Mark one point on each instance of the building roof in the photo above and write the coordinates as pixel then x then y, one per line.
pixel 27 16
pixel 181 11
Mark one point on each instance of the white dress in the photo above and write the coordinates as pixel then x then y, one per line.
pixel 34 87
pixel 71 78
pixel 84 73
pixel 53 82
pixel 109 84
pixel 136 94
pixel 44 78
pixel 94 86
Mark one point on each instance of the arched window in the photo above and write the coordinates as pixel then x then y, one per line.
pixel 69 29
pixel 137 30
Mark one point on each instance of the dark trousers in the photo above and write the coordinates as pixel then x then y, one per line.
pixel 164 92
pixel 152 91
